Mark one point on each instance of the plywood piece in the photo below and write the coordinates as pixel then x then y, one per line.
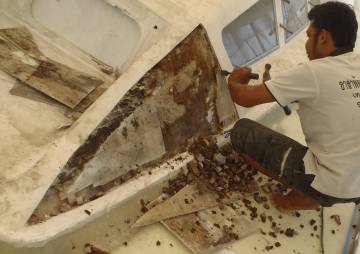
pixel 210 229
pixel 20 58
pixel 189 199
pixel 21 38
pixel 188 230
pixel 192 198
pixel 22 90
pixel 15 62
pixel 65 85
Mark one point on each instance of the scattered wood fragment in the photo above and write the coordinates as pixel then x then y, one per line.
pixel 91 249
pixel 336 218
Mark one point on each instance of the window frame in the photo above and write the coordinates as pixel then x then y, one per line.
pixel 286 40
pixel 268 52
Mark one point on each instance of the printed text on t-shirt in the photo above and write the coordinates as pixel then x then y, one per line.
pixel 349 85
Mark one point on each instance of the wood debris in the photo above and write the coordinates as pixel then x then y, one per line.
pixel 91 249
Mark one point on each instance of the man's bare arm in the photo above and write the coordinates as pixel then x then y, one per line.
pixel 250 95
pixel 247 95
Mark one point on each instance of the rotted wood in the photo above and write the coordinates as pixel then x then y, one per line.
pixel 202 225
pixel 21 58
pixel 209 230
pixel 183 89
pixel 186 78
pixel 192 198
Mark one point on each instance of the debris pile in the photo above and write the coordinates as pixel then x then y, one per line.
pixel 224 171
pixel 221 169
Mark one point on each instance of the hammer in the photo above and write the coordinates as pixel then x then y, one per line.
pixel 251 75
pixel 266 77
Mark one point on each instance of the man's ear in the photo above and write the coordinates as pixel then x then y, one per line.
pixel 325 37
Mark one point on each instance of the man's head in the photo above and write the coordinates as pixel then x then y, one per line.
pixel 333 28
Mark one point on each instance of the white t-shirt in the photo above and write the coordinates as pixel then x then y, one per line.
pixel 328 93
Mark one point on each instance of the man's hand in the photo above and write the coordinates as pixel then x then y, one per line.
pixel 247 95
pixel 240 76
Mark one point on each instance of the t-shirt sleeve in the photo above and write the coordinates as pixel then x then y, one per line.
pixel 296 85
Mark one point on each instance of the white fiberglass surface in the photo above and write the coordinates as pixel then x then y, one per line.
pixel 113 233
pixel 94 26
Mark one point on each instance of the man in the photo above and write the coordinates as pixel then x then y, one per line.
pixel 327 89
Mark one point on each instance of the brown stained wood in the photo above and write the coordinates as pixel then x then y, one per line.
pixel 192 198
pixel 21 38
pixel 192 232
pixel 187 200
pixel 193 50
pixel 65 85
pixel 22 90
pixel 15 62
pixel 20 58
pixel 197 231
pixel 184 79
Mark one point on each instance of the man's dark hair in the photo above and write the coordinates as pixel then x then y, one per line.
pixel 339 20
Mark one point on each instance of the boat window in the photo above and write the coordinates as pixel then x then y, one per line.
pixel 295 17
pixel 252 35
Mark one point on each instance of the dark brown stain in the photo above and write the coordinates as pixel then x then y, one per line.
pixel 176 134
pixel 66 85
pixel 22 38
pixel 195 123
pixel 52 70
